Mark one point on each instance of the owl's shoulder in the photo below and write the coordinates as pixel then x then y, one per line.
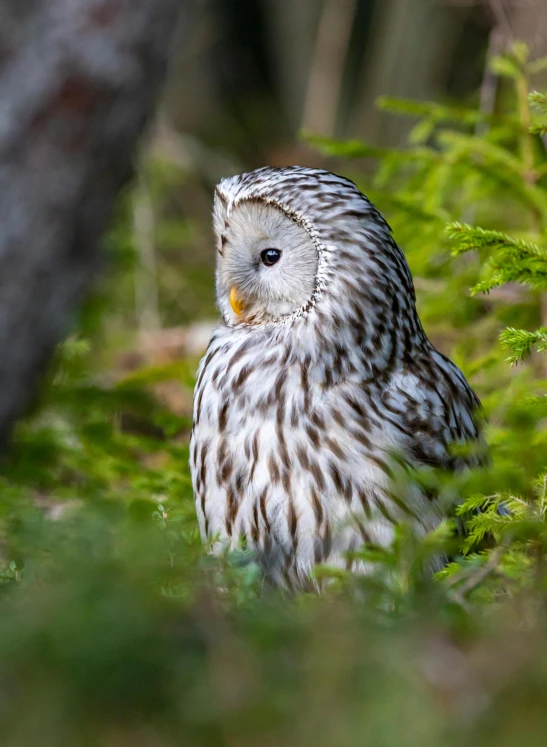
pixel 435 408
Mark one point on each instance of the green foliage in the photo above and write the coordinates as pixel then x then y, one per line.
pixel 507 259
pixel 520 342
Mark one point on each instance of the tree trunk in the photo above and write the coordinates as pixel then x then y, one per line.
pixel 78 80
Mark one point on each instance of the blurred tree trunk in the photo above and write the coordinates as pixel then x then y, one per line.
pixel 78 80
pixel 410 47
pixel 323 95
pixel 293 27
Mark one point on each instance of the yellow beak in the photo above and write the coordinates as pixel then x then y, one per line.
pixel 237 303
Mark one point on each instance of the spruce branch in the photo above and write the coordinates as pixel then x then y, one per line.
pixel 470 238
pixel 539 100
pixel 438 113
pixel 469 145
pixel 516 173
pixel 358 149
pixel 520 343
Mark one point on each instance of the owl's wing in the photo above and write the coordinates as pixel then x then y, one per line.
pixel 434 407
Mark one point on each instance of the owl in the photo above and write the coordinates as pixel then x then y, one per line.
pixel 319 381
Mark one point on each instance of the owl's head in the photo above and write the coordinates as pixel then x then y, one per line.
pixel 295 240
pixel 267 262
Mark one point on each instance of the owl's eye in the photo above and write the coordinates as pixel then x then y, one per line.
pixel 270 256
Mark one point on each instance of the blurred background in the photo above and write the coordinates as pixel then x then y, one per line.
pixel 116 628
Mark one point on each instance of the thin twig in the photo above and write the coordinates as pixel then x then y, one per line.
pixel 488 91
pixel 485 570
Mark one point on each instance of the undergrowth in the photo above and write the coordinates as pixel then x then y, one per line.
pixel 116 628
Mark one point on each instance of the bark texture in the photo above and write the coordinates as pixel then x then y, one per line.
pixel 78 81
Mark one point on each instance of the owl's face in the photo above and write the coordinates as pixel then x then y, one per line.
pixel 267 263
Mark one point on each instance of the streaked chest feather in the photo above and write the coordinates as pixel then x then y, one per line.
pixel 298 468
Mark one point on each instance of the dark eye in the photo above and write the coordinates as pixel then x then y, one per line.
pixel 270 256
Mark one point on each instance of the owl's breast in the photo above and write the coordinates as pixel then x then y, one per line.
pixel 298 470
pixel 250 411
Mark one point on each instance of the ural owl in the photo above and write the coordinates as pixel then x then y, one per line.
pixel 319 373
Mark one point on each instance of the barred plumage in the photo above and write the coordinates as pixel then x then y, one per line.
pixel 320 373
